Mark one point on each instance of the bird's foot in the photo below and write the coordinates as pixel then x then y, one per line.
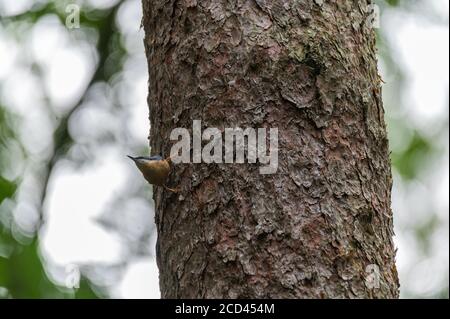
pixel 173 190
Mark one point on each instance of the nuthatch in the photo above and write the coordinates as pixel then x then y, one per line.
pixel 155 169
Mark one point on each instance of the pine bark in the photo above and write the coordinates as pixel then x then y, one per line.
pixel 323 222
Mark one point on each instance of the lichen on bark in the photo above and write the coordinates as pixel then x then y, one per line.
pixel 318 227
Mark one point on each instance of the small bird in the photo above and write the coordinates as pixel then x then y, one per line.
pixel 155 169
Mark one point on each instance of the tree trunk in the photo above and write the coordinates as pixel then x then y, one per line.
pixel 321 227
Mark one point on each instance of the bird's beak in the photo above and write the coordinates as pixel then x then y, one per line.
pixel 132 158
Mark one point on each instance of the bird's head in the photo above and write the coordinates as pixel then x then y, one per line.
pixel 143 161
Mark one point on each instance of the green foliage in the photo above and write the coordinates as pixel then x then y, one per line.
pixel 22 270
pixel 409 161
pixel 393 3
pixel 7 189
pixel 23 275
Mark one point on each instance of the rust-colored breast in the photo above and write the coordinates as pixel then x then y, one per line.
pixel 156 172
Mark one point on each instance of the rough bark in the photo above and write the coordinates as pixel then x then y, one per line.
pixel 308 68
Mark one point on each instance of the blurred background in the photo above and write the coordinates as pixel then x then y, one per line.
pixel 76 218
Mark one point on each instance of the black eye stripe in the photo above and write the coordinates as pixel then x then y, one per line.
pixel 153 158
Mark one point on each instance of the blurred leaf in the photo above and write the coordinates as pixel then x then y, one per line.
pixel 424 232
pixel 5 130
pixel 7 189
pixel 85 291
pixel 24 276
pixel 409 162
pixel 22 272
pixel 393 3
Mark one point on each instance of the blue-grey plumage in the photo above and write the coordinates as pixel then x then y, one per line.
pixel 155 169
